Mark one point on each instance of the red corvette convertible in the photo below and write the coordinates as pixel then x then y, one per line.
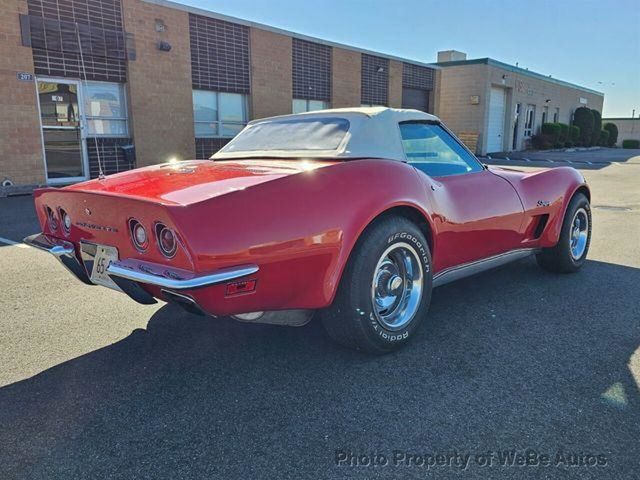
pixel 355 213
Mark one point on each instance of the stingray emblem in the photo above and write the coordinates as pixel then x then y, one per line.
pixel 87 211
pixel 542 203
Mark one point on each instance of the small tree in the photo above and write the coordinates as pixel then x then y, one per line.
pixel 613 133
pixel 604 138
pixel 551 132
pixel 574 134
pixel 597 127
pixel 583 119
pixel 564 132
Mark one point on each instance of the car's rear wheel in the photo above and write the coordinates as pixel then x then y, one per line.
pixel 573 245
pixel 385 289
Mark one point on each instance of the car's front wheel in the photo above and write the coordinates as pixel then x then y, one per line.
pixel 385 289
pixel 575 236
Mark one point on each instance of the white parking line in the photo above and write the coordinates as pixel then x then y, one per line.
pixel 6 241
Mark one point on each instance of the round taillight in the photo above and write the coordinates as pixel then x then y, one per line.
pixel 51 219
pixel 166 240
pixel 138 235
pixel 66 221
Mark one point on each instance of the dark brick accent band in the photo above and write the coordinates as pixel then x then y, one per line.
pixel 61 64
pixel 205 147
pixel 311 70
pixel 417 76
pixel 375 83
pixel 111 155
pixel 53 35
pixel 104 14
pixel 219 55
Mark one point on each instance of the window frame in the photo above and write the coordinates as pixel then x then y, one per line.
pixel 88 118
pixel 326 106
pixel 481 166
pixel 217 122
pixel 529 131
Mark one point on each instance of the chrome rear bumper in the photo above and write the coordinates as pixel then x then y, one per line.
pixel 130 275
pixel 160 276
pixel 64 251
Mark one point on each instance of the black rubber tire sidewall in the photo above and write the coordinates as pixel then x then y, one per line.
pixel 355 299
pixel 559 258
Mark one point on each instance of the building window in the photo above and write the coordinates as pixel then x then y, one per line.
pixel 301 106
pixel 516 122
pixel 545 114
pixel 368 105
pixel 218 114
pixel 105 109
pixel 529 121
pixel 556 115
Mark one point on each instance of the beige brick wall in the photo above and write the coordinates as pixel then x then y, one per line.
pixel 21 159
pixel 454 86
pixel 458 83
pixel 395 84
pixel 628 128
pixel 527 90
pixel 271 76
pixel 160 101
pixel 346 74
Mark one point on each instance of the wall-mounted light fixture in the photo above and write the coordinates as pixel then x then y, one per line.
pixel 548 100
pixel 164 46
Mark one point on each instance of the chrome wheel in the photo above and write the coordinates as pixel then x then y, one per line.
pixel 396 289
pixel 579 234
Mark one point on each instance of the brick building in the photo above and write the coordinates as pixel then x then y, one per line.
pixel 628 128
pixel 498 107
pixel 171 80
pixel 139 82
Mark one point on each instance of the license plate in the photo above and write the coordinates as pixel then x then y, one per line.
pixel 104 256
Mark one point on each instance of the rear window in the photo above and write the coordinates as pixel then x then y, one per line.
pixel 325 133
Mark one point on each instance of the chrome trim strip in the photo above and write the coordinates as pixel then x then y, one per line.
pixel 141 273
pixel 64 251
pixel 467 269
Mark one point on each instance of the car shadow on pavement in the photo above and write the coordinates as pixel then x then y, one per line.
pixel 511 359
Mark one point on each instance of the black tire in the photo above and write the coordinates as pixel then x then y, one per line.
pixel 560 259
pixel 351 320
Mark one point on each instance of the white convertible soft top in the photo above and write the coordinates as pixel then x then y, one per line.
pixel 371 132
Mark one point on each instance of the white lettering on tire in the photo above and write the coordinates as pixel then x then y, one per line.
pixel 417 243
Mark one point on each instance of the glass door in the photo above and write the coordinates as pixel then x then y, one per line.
pixel 529 121
pixel 61 118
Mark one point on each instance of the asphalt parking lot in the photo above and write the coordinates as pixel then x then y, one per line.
pixel 93 385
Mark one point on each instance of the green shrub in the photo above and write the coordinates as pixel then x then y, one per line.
pixel 541 141
pixel 613 133
pixel 552 132
pixel 604 138
pixel 564 132
pixel 574 134
pixel 583 119
pixel 597 127
pixel 631 143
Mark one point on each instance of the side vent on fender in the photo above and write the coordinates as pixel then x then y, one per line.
pixel 542 222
